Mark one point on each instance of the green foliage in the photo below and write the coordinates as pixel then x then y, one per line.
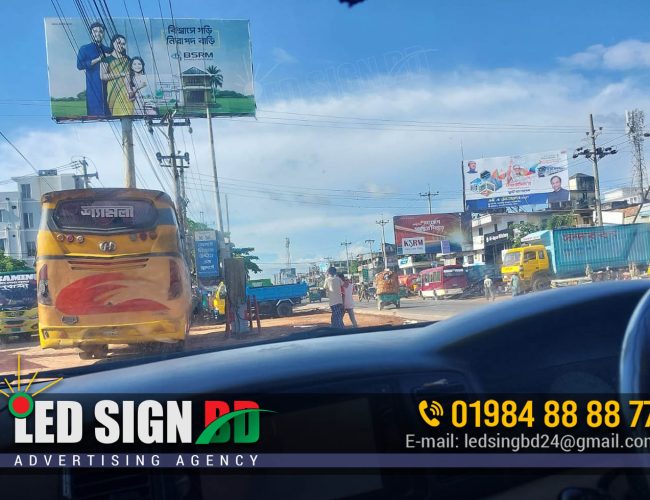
pixel 193 226
pixel 525 228
pixel 249 264
pixel 522 229
pixel 8 264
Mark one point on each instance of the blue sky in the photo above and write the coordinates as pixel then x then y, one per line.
pixel 547 64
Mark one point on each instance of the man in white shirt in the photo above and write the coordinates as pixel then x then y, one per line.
pixel 333 290
pixel 348 301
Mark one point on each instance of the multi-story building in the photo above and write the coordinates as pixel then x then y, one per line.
pixel 20 211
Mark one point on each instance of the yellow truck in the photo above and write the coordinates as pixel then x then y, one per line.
pixel 561 257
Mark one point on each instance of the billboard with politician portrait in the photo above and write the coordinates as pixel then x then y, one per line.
pixel 430 233
pixel 146 67
pixel 509 181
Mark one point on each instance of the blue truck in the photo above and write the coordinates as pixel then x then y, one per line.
pixel 278 300
pixel 564 254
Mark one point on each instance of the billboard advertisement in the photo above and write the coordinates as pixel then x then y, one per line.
pixel 509 181
pixel 147 67
pixel 419 234
pixel 207 254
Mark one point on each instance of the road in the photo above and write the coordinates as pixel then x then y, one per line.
pixel 416 309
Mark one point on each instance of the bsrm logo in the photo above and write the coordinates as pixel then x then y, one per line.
pixel 194 55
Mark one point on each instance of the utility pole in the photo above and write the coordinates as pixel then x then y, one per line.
pixel 347 255
pixel 170 123
pixel 428 195
pixel 287 242
pixel 595 154
pixel 86 175
pixel 370 242
pixel 227 218
pixel 382 222
pixel 127 149
pixel 217 196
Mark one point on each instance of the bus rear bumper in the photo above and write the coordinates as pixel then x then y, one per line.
pixel 58 337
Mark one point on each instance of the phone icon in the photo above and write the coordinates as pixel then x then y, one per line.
pixel 430 411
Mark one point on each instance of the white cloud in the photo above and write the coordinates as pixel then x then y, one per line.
pixel 625 55
pixel 262 164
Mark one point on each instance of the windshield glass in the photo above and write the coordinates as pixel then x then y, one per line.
pixel 511 258
pixel 17 291
pixel 102 215
pixel 212 175
pixel 454 272
pixel 394 193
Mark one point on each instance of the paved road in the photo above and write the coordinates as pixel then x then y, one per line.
pixel 416 309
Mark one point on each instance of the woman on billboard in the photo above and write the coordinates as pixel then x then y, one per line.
pixel 115 72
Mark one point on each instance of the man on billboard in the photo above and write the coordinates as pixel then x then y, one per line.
pixel 471 167
pixel 559 194
pixel 88 59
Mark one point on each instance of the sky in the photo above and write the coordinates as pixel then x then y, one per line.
pixel 359 110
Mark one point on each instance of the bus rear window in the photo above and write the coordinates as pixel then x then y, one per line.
pixel 103 215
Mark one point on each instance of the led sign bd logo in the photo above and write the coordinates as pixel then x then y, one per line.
pixel 241 425
pixel 21 402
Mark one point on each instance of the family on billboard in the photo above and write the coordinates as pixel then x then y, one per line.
pixel 114 80
pixel 529 179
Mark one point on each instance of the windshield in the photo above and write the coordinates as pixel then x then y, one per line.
pixel 182 178
pixel 511 258
pixel 453 272
pixel 88 214
pixel 17 291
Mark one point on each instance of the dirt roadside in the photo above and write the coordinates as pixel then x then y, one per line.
pixel 205 336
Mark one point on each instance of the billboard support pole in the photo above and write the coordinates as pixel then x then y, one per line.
pixel 127 148
pixel 217 196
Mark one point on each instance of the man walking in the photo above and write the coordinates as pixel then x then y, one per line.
pixel 89 59
pixel 515 285
pixel 488 287
pixel 348 302
pixel 333 286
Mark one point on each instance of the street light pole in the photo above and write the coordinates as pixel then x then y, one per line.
pixel 347 255
pixel 595 153
pixel 382 223
pixel 428 195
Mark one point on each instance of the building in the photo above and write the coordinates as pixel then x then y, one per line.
pixel 197 87
pixel 583 191
pixel 20 211
pixel 491 232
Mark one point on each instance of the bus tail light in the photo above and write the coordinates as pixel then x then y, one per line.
pixel 153 235
pixel 60 237
pixel 175 283
pixel 43 287
pixel 69 238
pixel 143 236
pixel 80 239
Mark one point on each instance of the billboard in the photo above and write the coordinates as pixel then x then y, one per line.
pixel 419 234
pixel 207 254
pixel 510 181
pixel 147 67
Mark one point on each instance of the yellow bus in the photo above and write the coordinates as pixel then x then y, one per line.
pixel 110 270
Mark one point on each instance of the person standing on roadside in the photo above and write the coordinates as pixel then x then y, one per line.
pixel 516 285
pixel 348 301
pixel 488 287
pixel 333 286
